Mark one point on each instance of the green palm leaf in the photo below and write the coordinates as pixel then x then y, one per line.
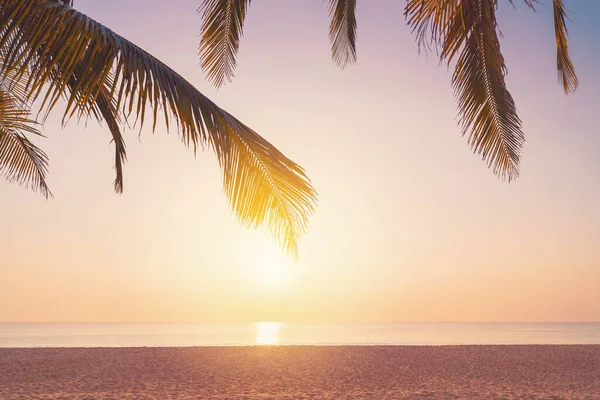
pixel 265 188
pixel 342 31
pixel 222 29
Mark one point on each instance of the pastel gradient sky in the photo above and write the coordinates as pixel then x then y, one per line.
pixel 410 225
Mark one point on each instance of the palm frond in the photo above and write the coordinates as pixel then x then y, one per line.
pixel 488 112
pixel 265 188
pixel 342 31
pixel 222 29
pixel 467 29
pixel 103 108
pixel 529 3
pixel 566 71
pixel 14 81
pixel 20 160
pixel 458 30
pixel 430 19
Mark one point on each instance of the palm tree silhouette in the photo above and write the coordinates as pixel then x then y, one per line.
pixel 464 32
pixel 20 160
pixel 50 51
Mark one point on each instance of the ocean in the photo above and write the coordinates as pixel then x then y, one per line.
pixel 275 333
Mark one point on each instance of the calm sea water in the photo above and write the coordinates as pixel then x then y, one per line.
pixel 274 333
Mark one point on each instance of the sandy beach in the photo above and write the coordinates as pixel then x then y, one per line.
pixel 303 372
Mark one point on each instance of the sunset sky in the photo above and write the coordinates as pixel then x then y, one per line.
pixel 410 225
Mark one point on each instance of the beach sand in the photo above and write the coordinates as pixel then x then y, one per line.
pixel 303 372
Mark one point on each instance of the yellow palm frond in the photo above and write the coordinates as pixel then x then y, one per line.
pixel 342 31
pixel 488 112
pixel 222 29
pixel 566 71
pixel 20 160
pixel 265 188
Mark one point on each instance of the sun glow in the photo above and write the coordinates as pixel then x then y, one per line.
pixel 265 266
pixel 272 271
pixel 267 333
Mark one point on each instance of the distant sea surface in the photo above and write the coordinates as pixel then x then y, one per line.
pixel 275 333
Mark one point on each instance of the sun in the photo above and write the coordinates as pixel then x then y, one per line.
pixel 266 267
pixel 272 271
pixel 269 274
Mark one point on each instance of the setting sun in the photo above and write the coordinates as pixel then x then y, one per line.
pixel 272 271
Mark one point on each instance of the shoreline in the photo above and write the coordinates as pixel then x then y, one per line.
pixel 238 346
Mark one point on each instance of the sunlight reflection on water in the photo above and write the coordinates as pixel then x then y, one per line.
pixel 16 334
pixel 267 333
